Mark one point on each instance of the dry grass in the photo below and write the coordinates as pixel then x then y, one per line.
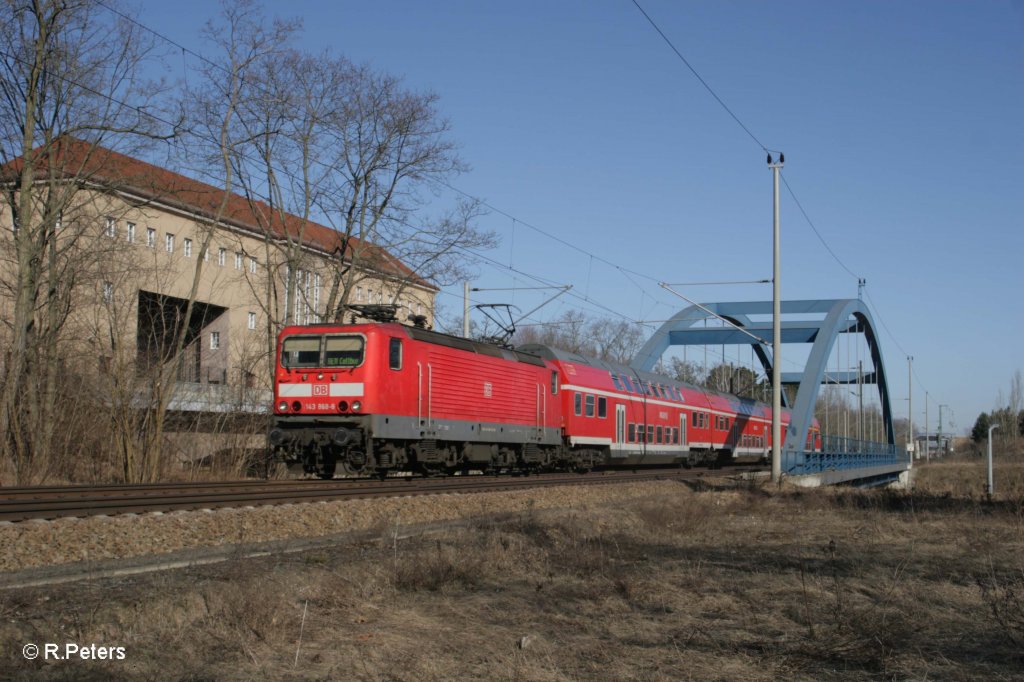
pixel 749 583
pixel 968 478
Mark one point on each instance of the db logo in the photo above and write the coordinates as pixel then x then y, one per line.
pixel 320 390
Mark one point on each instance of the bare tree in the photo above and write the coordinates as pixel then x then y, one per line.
pixel 1016 403
pixel 603 338
pixel 616 340
pixel 391 152
pixel 687 371
pixel 213 120
pixel 70 81
pixel 317 139
pixel 566 332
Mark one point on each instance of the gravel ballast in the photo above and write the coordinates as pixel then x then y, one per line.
pixel 34 544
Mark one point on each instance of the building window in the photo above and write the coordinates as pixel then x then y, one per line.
pixel 252 265
pixel 252 320
pixel 188 248
pixel 359 294
pixel 222 257
pixel 169 242
pixel 130 233
pixel 150 237
pixel 214 340
pixel 316 297
pixel 238 261
pixel 108 292
pixel 111 227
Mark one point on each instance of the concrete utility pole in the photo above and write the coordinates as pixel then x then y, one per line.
pixel 938 438
pixel 776 327
pixel 465 310
pixel 927 438
pixel 992 428
pixel 910 405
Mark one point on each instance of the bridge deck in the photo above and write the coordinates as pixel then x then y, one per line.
pixel 847 460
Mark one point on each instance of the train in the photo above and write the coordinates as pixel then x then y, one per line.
pixel 381 397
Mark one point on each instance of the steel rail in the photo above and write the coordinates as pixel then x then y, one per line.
pixel 21 504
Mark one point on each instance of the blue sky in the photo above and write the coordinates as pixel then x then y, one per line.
pixel 902 125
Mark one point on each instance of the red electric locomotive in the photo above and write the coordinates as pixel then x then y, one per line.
pixel 380 397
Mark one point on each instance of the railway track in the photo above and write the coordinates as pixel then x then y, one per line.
pixel 22 504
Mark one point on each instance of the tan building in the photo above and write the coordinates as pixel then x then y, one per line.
pixel 144 241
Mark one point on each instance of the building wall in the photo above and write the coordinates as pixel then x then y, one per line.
pixel 123 245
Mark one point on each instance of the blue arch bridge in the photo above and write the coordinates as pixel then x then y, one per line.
pixel 821 323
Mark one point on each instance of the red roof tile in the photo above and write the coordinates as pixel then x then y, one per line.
pixel 130 175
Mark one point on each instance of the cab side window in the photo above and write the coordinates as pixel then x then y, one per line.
pixel 395 353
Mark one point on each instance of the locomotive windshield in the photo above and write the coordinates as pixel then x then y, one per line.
pixel 318 351
pixel 301 351
pixel 343 351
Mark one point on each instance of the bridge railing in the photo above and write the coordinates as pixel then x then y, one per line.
pixel 847 453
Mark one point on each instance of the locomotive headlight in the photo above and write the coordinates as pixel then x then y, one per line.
pixel 356 406
pixel 282 406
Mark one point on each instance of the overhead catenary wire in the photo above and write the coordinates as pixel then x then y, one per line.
pixel 764 148
pixel 703 82
pixel 164 121
pixel 626 272
pixel 515 220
